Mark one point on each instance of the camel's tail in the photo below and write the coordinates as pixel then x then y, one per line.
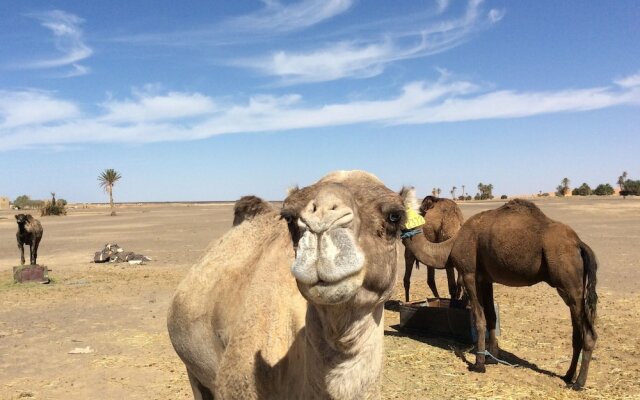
pixel 417 264
pixel 590 295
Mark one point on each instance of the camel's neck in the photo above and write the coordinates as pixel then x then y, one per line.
pixel 343 353
pixel 431 254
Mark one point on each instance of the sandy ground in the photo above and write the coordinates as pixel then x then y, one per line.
pixel 119 312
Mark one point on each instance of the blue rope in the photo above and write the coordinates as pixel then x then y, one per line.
pixel 486 353
pixel 410 233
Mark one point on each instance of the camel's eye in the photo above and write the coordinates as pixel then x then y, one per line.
pixel 288 216
pixel 394 217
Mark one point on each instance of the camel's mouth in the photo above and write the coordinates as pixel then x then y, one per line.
pixel 331 293
pixel 328 266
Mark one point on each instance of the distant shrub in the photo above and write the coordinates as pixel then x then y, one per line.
pixel 504 197
pixel 461 198
pixel 631 188
pixel 54 207
pixel 24 202
pixel 468 197
pixel 485 191
pixel 603 189
pixel 583 190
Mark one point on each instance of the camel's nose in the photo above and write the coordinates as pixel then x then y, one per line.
pixel 326 211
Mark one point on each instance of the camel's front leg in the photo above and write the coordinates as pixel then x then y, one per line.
pixel 431 281
pixel 21 247
pixel 409 259
pixel 479 319
pixel 34 250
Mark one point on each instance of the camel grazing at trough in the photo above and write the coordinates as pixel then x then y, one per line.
pixel 289 305
pixel 517 245
pixel 443 218
pixel 29 232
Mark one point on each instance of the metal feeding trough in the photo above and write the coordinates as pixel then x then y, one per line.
pixel 31 273
pixel 443 318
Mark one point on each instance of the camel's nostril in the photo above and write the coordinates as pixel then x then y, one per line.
pixel 334 207
pixel 314 207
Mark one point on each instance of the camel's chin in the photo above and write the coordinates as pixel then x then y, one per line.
pixel 331 293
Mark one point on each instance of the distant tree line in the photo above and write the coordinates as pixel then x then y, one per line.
pixel 485 192
pixel 628 187
pixel 53 207
pixel 24 202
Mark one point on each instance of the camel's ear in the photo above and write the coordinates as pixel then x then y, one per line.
pixel 408 195
pixel 292 190
pixel 17 217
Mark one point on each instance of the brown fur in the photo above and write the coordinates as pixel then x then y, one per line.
pixel 249 207
pixel 30 233
pixel 443 219
pixel 239 320
pixel 517 245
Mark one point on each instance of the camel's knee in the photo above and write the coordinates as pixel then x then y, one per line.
pixel 588 341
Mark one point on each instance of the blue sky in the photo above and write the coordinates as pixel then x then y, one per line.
pixel 201 100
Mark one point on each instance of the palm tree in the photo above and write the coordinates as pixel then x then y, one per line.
pixel 439 191
pixel 565 186
pixel 107 179
pixel 621 180
pixel 463 192
pixel 453 192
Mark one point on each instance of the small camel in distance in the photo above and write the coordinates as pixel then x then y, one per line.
pixel 29 232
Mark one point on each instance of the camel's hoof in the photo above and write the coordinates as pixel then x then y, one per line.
pixel 567 379
pixel 490 360
pixel 577 387
pixel 477 368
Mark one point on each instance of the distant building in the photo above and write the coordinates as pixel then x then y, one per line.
pixel 4 203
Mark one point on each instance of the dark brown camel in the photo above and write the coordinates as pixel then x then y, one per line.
pixel 30 233
pixel 249 207
pixel 443 219
pixel 517 245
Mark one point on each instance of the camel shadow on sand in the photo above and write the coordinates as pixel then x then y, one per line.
pixel 464 350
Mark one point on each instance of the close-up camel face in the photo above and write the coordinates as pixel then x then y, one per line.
pixel 344 233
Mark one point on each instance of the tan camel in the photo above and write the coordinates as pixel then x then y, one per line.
pixel 247 329
pixel 443 218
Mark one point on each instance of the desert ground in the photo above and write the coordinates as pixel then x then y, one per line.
pixel 119 311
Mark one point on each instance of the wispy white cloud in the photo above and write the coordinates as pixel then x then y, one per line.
pixel 276 17
pixel 147 107
pixel 496 15
pixel 629 81
pixel 68 40
pixel 369 58
pixel 32 108
pixel 149 119
pixel 442 5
